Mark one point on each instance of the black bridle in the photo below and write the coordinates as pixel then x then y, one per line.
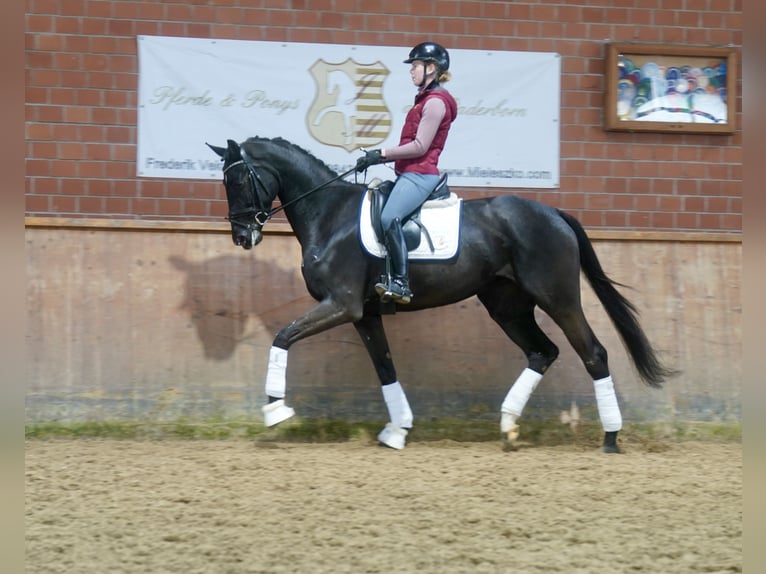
pixel 257 211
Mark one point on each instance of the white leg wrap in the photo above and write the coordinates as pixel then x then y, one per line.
pixel 517 397
pixel 398 407
pixel 276 412
pixel 275 376
pixel 608 409
pixel 395 433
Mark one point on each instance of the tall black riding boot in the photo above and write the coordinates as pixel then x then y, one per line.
pixel 398 285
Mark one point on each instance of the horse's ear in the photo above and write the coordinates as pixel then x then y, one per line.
pixel 219 150
pixel 234 151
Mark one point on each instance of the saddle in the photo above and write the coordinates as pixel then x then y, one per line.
pixel 412 226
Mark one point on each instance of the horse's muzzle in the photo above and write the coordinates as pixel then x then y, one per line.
pixel 246 238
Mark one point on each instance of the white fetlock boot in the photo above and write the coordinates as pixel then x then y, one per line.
pixel 276 412
pixel 394 434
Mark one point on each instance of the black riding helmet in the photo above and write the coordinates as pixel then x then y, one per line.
pixel 430 52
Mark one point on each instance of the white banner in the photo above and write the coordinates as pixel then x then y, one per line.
pixel 333 99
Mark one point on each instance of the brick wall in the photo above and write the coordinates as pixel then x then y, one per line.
pixel 82 77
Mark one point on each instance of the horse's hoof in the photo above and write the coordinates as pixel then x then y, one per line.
pixel 276 412
pixel 510 436
pixel 610 443
pixel 393 436
pixel 509 445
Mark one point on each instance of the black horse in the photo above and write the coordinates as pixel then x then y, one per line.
pixel 514 255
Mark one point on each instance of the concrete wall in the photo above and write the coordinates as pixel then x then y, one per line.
pixel 161 325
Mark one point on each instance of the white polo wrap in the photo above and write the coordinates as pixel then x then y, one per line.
pixel 275 375
pixel 397 404
pixel 608 409
pixel 521 390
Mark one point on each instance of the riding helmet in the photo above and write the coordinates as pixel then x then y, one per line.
pixel 430 52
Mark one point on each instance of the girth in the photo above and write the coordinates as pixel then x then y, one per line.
pixel 411 224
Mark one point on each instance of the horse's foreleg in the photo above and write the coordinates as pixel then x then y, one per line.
pixel 370 329
pixel 323 316
pixel 276 411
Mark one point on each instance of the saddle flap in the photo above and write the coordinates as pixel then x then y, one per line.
pixel 378 196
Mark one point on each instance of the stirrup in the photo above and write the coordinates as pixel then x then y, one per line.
pixel 383 291
pixel 396 290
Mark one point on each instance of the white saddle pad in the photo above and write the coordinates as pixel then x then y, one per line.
pixel 441 217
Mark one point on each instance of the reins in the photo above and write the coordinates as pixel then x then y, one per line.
pixel 309 192
pixel 260 214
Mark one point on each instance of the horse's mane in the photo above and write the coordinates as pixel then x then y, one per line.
pixel 288 145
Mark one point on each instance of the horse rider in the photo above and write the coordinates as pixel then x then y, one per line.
pixel 415 159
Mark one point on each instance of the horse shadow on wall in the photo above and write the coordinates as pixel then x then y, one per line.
pixel 223 294
pixel 232 300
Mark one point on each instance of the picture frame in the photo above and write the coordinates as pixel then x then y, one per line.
pixel 670 89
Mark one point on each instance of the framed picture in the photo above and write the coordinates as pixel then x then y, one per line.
pixel 661 88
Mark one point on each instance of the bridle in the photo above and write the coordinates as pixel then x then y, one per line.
pixel 256 210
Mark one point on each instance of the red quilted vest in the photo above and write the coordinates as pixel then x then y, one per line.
pixel 428 162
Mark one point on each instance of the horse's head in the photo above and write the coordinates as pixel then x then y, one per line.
pixel 249 199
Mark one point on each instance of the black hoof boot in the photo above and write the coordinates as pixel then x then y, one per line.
pixel 610 443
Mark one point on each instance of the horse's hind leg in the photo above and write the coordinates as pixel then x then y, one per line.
pixel 594 356
pixel 513 310
pixel 370 329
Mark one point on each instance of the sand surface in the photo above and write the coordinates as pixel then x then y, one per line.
pixel 238 506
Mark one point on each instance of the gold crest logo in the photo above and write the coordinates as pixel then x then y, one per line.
pixel 348 110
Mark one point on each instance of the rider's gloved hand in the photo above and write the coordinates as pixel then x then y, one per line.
pixel 369 158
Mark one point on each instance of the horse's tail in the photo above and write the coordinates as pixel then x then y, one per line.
pixel 622 312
